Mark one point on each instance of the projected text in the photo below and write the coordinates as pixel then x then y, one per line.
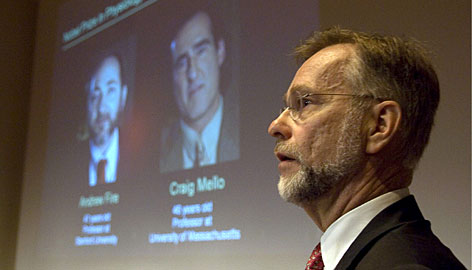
pixel 181 220
pixel 202 184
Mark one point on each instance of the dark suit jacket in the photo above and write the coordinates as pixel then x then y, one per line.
pixel 228 145
pixel 399 238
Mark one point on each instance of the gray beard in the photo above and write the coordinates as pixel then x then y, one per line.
pixel 311 182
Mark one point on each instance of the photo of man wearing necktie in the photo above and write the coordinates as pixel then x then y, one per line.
pixel 208 106
pixel 106 99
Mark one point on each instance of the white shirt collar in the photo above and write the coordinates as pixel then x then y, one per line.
pixel 341 234
pixel 111 154
pixel 208 139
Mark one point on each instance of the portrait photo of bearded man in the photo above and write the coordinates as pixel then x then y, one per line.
pixel 106 95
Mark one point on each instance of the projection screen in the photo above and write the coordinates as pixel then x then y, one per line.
pixel 114 176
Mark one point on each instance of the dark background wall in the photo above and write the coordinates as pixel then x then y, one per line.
pixel 17 25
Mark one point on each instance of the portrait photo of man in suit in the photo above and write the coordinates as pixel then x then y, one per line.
pixel 106 100
pixel 358 115
pixel 207 131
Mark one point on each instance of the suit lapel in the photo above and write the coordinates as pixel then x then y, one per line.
pixel 228 145
pixel 404 211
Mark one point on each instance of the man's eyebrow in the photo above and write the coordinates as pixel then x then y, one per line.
pixel 112 81
pixel 284 98
pixel 202 43
pixel 199 44
pixel 180 57
pixel 301 89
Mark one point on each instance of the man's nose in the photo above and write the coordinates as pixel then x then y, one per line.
pixel 192 69
pixel 279 128
pixel 102 106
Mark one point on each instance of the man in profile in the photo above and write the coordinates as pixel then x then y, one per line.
pixel 106 99
pixel 207 131
pixel 358 116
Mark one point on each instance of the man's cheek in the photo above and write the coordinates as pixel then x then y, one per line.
pixel 180 92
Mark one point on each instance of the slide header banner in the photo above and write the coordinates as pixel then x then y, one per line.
pixel 111 15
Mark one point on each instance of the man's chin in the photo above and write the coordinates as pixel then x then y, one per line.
pixel 299 188
pixel 288 190
pixel 282 188
pixel 195 114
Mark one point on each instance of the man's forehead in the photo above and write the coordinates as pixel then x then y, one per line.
pixel 323 71
pixel 194 30
pixel 108 72
pixel 341 50
pixel 109 66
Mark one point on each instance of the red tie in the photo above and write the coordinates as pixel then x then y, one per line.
pixel 315 261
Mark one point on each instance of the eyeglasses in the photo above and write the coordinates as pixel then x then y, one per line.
pixel 299 102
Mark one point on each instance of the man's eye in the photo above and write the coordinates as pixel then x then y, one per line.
pixel 181 64
pixel 202 49
pixel 111 90
pixel 94 96
pixel 305 102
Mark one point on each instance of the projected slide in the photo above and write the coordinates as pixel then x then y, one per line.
pixel 154 147
pixel 197 127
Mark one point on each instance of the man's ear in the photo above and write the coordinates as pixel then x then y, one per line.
pixel 383 125
pixel 124 95
pixel 221 51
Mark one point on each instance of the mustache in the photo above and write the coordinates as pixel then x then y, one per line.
pixel 289 150
pixel 102 117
